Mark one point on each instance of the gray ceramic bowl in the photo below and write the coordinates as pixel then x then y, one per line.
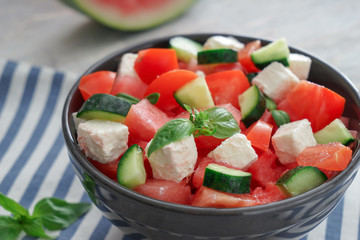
pixel 289 218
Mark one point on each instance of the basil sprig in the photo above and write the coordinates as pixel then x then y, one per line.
pixel 201 122
pixel 217 122
pixel 170 132
pixel 49 213
pixel 223 121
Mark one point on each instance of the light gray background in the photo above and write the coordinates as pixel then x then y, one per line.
pixel 46 32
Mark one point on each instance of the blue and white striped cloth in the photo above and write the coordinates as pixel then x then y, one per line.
pixel 34 162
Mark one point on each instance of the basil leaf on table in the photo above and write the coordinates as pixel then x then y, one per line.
pixel 223 121
pixel 12 206
pixel 9 228
pixel 33 227
pixel 170 132
pixel 49 213
pixel 57 214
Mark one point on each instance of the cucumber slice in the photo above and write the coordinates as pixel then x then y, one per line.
pixel 252 104
pixel 105 107
pixel 195 94
pixel 335 131
pixel 131 171
pixel 185 48
pixel 275 51
pixel 217 56
pixel 226 179
pixel 280 117
pixel 301 179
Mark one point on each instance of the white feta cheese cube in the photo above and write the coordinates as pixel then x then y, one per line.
pixel 103 141
pixel 126 66
pixel 275 80
pixel 216 42
pixel 291 139
pixel 235 151
pixel 300 65
pixel 174 161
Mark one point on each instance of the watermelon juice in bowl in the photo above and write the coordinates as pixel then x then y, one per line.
pixel 186 132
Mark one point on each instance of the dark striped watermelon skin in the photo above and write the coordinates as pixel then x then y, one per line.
pixel 127 15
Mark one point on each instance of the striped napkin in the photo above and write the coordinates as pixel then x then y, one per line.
pixel 33 159
pixel 34 162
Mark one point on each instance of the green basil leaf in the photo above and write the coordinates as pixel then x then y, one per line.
pixel 127 97
pixel 280 117
pixel 9 228
pixel 153 98
pixel 224 122
pixel 250 76
pixel 170 132
pixel 12 206
pixel 57 214
pixel 270 104
pixel 33 227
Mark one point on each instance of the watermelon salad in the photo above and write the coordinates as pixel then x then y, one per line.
pixel 216 124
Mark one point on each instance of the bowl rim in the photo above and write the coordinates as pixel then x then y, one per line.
pixel 109 184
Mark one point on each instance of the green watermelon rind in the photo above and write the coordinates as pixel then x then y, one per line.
pixel 128 24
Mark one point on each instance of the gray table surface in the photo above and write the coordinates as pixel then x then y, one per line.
pixel 46 32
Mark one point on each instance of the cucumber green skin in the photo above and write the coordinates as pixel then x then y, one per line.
pixel 217 56
pixel 301 179
pixel 257 111
pixel 104 107
pixel 178 100
pixel 284 61
pixel 334 132
pixel 348 141
pixel 226 183
pixel 131 171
